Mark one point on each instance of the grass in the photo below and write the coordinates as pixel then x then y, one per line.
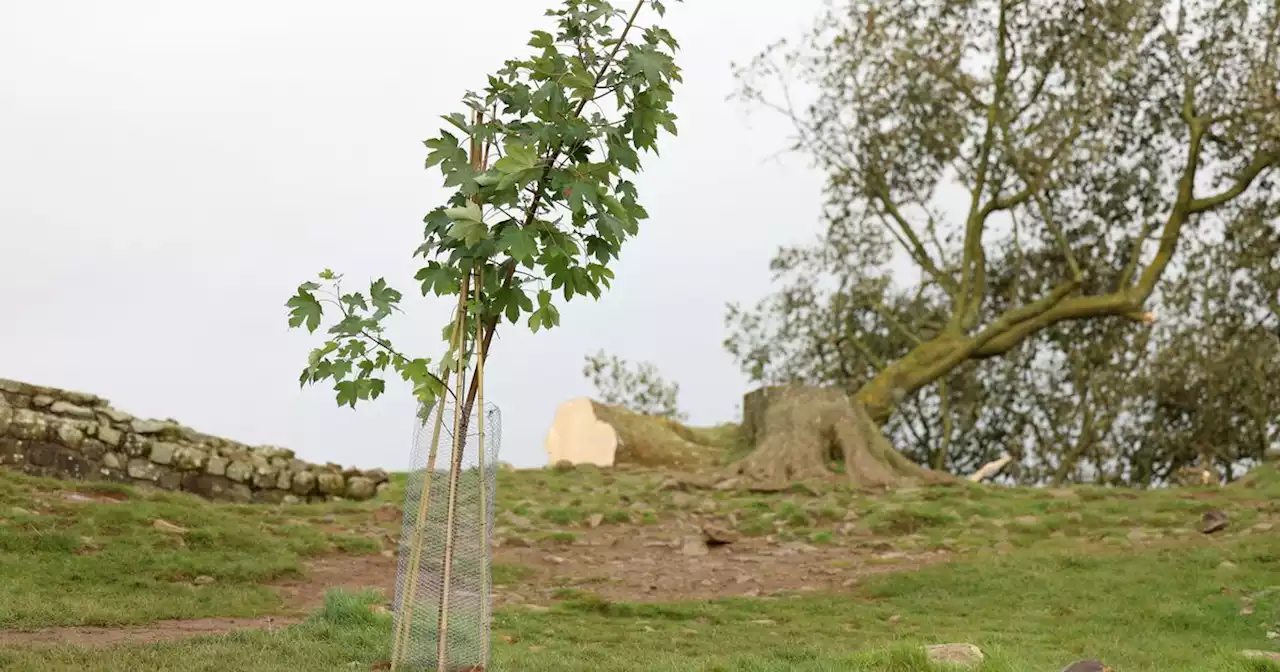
pixel 1043 577
pixel 1164 610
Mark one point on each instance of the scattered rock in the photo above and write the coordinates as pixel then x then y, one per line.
pixel 966 655
pixel 1226 564
pixel 718 535
pixel 166 526
pixel 894 618
pixel 727 484
pixel 671 484
pixel 204 580
pixel 1254 654
pixel 595 519
pixel 693 546
pixel 683 500
pixel 1090 665
pixel 1214 520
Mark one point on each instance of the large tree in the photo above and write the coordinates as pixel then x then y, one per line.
pixel 1037 162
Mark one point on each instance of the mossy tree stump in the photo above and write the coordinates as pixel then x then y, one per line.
pixel 802 433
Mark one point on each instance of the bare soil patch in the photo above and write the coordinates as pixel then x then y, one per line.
pixel 633 563
pixel 160 631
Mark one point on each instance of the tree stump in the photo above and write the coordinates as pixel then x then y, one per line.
pixel 799 432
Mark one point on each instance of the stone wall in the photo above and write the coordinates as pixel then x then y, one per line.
pixel 50 432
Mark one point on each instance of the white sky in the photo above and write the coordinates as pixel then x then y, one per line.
pixel 169 172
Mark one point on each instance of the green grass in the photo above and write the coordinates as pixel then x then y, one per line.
pixel 1151 611
pixel 1042 577
pixel 66 561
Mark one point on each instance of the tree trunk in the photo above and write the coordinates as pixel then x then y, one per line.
pixel 588 432
pixel 800 433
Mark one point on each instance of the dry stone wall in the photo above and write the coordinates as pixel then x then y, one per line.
pixel 50 432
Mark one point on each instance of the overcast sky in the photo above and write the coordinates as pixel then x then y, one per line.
pixel 169 172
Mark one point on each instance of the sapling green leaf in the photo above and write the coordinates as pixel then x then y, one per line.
pixel 542 199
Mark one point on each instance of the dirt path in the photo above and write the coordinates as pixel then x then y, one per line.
pixel 645 564
pixel 160 631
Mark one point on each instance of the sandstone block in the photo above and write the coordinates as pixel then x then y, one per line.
pixel 12 451
pixel 41 454
pixel 113 461
pixel 303 483
pixel 189 458
pixel 114 415
pixel 92 449
pixel 6 417
pixel 264 476
pixel 359 488
pixel 240 472
pixel 162 452
pixel 170 479
pixel 136 446
pixel 330 483
pixel 143 469
pixel 284 480
pixel 269 496
pixel 28 425
pixel 110 435
pixel 216 465
pixel 149 426
pixel 65 408
pixel 41 401
pixel 207 485
pixel 69 435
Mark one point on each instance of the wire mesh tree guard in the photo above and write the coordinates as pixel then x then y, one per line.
pixel 443 583
pixel 425 613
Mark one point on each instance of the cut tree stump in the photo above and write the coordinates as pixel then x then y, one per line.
pixel 798 432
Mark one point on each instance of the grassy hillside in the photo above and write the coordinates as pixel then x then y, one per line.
pixel 818 581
